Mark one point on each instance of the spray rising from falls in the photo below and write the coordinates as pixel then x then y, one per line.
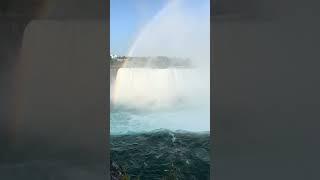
pixel 155 88
pixel 177 31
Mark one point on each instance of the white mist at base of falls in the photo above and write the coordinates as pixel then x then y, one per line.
pixel 148 88
pixel 194 119
pixel 145 99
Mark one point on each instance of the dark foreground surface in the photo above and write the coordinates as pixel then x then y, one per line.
pixel 162 154
pixel 50 170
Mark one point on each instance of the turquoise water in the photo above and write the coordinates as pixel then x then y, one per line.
pixel 162 154
pixel 164 143
pixel 187 118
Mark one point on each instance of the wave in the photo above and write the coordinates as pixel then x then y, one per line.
pixel 163 153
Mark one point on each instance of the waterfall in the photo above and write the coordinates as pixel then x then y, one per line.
pixel 144 99
pixel 148 87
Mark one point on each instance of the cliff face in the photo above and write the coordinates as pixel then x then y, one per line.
pixel 113 75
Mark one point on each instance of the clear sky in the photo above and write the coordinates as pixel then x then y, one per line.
pixel 127 17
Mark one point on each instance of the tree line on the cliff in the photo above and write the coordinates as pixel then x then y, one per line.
pixel 158 61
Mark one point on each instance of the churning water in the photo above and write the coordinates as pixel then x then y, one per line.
pixel 158 116
pixel 145 99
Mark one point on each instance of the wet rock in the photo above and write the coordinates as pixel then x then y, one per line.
pixel 117 171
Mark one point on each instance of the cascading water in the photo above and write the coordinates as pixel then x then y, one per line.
pixel 151 105
pixel 144 98
pixel 147 99
pixel 152 88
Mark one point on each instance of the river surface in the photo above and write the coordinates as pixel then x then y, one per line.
pixel 160 124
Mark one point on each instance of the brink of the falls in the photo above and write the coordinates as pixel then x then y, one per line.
pixel 154 88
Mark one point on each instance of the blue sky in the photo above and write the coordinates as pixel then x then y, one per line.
pixel 126 19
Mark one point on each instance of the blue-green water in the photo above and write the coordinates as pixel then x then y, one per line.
pixel 153 144
pixel 163 154
pixel 180 117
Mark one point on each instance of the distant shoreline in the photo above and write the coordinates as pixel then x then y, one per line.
pixel 161 62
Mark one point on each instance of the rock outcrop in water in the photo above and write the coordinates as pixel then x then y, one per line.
pixel 116 171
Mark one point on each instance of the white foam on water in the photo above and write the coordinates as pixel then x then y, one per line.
pixel 172 98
